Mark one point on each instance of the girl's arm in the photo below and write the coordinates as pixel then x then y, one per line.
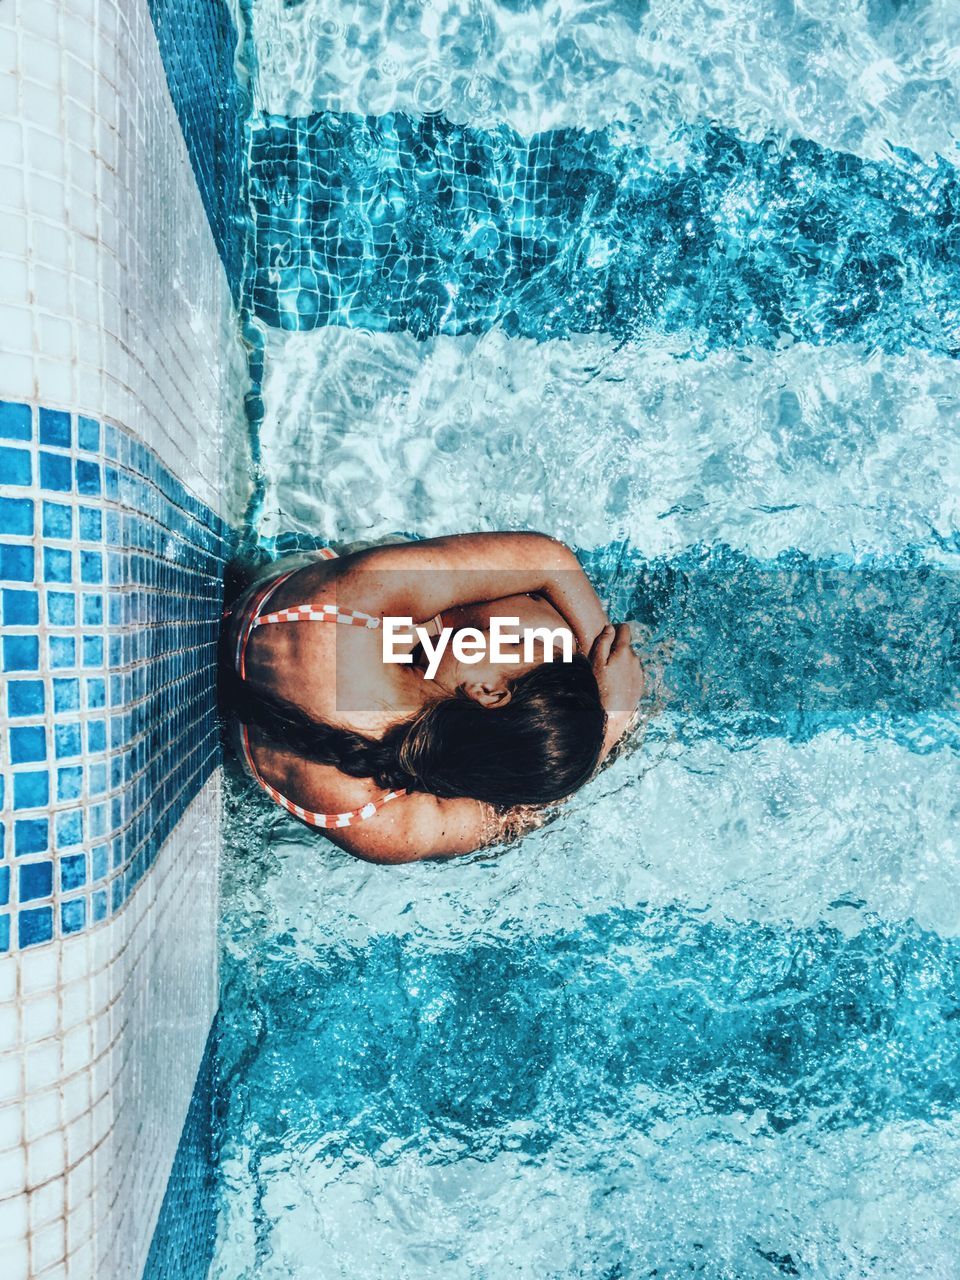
pixel 423 578
pixel 420 579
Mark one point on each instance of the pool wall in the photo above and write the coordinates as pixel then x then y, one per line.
pixel 121 379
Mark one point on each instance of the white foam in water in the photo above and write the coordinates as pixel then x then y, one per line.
pixel 848 74
pixel 836 829
pixel 829 450
pixel 702 1197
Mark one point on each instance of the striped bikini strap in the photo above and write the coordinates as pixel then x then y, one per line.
pixel 324 821
pixel 326 612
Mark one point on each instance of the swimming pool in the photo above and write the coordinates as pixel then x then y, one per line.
pixel 685 295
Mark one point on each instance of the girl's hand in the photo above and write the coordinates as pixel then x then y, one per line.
pixel 619 674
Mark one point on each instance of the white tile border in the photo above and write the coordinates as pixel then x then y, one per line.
pixel 113 301
pixel 92 1111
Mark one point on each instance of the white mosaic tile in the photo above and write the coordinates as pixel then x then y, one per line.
pixel 13 1220
pixel 11 1127
pixel 16 1260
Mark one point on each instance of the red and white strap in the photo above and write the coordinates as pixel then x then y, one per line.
pixel 325 613
pixel 324 820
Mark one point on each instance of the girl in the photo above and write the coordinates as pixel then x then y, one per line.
pixel 393 766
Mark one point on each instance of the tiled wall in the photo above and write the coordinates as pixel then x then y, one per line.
pixel 110 586
pixel 122 465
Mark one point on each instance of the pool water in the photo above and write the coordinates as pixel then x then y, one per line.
pixel 681 288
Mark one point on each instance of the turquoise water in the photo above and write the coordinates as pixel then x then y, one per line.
pixel 707 1020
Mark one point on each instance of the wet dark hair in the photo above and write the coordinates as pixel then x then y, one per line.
pixel 537 748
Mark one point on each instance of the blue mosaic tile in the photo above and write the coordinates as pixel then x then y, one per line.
pixel 35 926
pixel 66 695
pixel 69 829
pixel 73 915
pixel 16 562
pixel 25 698
pixel 31 835
pixel 56 472
pixel 20 608
pixel 21 653
pixel 16 421
pixel 73 872
pixel 97 825
pixel 110 670
pixel 36 881
pixel 57 565
pixel 96 693
pixel 93 651
pixel 31 790
pixel 56 428
pixel 88 435
pixel 88 477
pixel 91 566
pixel 92 610
pixel 4 886
pixel 99 862
pixel 28 744
pixel 57 520
pixel 61 608
pixel 63 651
pixel 16 516
pixel 91 524
pixel 70 783
pixel 67 740
pixel 16 466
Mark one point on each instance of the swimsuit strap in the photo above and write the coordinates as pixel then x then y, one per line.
pixel 307 613
pixel 246 631
pixel 326 613
pixel 330 613
pixel 259 601
pixel 324 820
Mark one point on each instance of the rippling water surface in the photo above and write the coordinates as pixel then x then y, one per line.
pixel 706 1021
pixel 854 74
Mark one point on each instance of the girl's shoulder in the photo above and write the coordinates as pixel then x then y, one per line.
pixel 406 827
